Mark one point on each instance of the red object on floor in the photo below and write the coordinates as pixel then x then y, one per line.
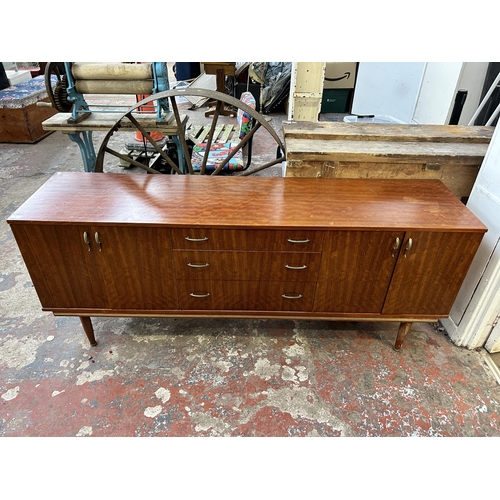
pixel 147 108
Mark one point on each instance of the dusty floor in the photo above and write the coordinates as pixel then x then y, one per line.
pixel 208 377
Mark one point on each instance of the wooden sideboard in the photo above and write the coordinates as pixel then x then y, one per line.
pixel 224 246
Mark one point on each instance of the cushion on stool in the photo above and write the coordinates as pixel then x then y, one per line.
pixel 217 154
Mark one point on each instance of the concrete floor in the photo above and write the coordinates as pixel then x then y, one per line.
pixel 209 377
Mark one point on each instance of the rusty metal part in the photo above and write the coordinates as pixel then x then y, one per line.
pixel 57 94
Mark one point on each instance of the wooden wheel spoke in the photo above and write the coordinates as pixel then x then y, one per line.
pixel 176 129
pixel 266 165
pixel 239 146
pixel 153 142
pixel 130 160
pixel 218 109
pixel 182 136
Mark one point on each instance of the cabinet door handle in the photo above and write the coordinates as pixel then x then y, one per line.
pixel 295 267
pixel 196 239
pixel 198 265
pixel 298 296
pixel 408 246
pixel 298 241
pixel 96 236
pixel 200 295
pixel 86 239
pixel 396 246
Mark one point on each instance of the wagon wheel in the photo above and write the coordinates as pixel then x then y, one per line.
pixel 57 94
pixel 131 118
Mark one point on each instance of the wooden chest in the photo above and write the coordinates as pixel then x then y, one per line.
pixel 453 154
pixel 184 246
pixel 20 117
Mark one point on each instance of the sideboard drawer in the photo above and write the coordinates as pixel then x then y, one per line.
pixel 245 295
pixel 253 239
pixel 246 266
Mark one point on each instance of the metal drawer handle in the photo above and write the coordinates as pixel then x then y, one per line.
pixel 298 241
pixel 199 295
pixel 86 239
pixel 396 246
pixel 196 239
pixel 285 296
pixel 198 265
pixel 408 246
pixel 97 241
pixel 295 267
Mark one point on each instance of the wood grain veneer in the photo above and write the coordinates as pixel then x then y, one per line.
pixel 171 245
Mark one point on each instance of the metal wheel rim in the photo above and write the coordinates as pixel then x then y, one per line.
pixel 204 93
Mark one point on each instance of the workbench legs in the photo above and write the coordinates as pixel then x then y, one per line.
pixel 84 141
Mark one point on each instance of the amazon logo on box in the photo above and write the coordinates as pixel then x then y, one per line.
pixel 340 75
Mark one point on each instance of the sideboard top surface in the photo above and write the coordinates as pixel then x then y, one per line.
pixel 246 202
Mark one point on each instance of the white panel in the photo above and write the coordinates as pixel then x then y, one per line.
pixel 387 89
pixel 472 80
pixel 493 344
pixel 480 293
pixel 437 93
pixel 306 88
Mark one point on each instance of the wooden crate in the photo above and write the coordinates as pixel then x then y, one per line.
pixel 20 117
pixel 450 153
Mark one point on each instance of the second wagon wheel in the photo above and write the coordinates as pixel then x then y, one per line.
pixel 175 127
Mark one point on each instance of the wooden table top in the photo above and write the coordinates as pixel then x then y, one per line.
pixel 341 141
pixel 246 202
pixel 387 132
pixel 103 122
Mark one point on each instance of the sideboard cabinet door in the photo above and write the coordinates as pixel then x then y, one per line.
pixel 430 270
pixel 356 269
pixel 105 267
pixel 60 265
pixel 135 267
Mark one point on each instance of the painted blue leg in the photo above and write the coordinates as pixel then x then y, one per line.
pixel 180 154
pixel 84 140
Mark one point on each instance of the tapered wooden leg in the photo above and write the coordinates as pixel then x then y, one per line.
pixel 404 328
pixel 89 330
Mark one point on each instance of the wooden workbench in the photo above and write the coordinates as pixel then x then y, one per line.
pixel 450 153
pixel 102 122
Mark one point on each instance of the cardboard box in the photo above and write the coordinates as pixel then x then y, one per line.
pixel 340 75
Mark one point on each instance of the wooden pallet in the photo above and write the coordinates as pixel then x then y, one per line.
pixel 223 133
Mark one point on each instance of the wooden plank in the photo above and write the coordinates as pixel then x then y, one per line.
pixel 193 132
pixel 387 132
pixel 226 133
pixel 206 129
pixel 103 122
pixel 384 151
